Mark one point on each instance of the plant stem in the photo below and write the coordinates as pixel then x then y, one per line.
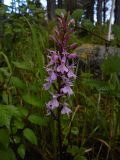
pixel 59 135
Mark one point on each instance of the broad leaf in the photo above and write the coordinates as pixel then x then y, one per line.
pixel 21 151
pixel 30 136
pixel 32 100
pixel 6 113
pixel 7 154
pixel 41 121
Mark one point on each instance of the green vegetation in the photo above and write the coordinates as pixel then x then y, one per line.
pixel 92 131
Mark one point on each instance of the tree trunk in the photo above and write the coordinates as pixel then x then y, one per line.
pixel 110 21
pixel 117 12
pixel 99 12
pixel 37 3
pixel 51 5
pixel 60 3
pixel 71 5
pixel 90 10
pixel 104 10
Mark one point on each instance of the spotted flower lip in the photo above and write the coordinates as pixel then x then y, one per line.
pixel 66 110
pixel 67 90
pixel 71 74
pixel 52 104
pixel 53 76
pixel 62 68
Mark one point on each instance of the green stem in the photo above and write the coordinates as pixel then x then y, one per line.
pixel 59 135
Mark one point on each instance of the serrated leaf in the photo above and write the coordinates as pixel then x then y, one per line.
pixel 21 151
pixel 41 121
pixel 6 113
pixel 32 100
pixel 30 136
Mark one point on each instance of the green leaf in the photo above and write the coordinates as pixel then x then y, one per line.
pixel 18 83
pixel 23 111
pixel 5 97
pixel 75 131
pixel 77 14
pixel 73 150
pixel 111 65
pixel 78 157
pixel 60 11
pixel 41 121
pixel 23 65
pixel 21 151
pixel 32 100
pixel 7 154
pixel 4 137
pixel 30 136
pixel 19 124
pixel 6 113
pixel 82 151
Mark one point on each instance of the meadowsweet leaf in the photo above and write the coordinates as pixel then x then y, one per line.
pixel 32 100
pixel 6 113
pixel 41 121
pixel 30 136
pixel 21 151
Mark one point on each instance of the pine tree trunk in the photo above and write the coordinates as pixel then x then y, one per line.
pixel 99 12
pixel 60 3
pixel 110 21
pixel 104 11
pixel 51 5
pixel 117 12
pixel 37 3
pixel 90 10
pixel 71 5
